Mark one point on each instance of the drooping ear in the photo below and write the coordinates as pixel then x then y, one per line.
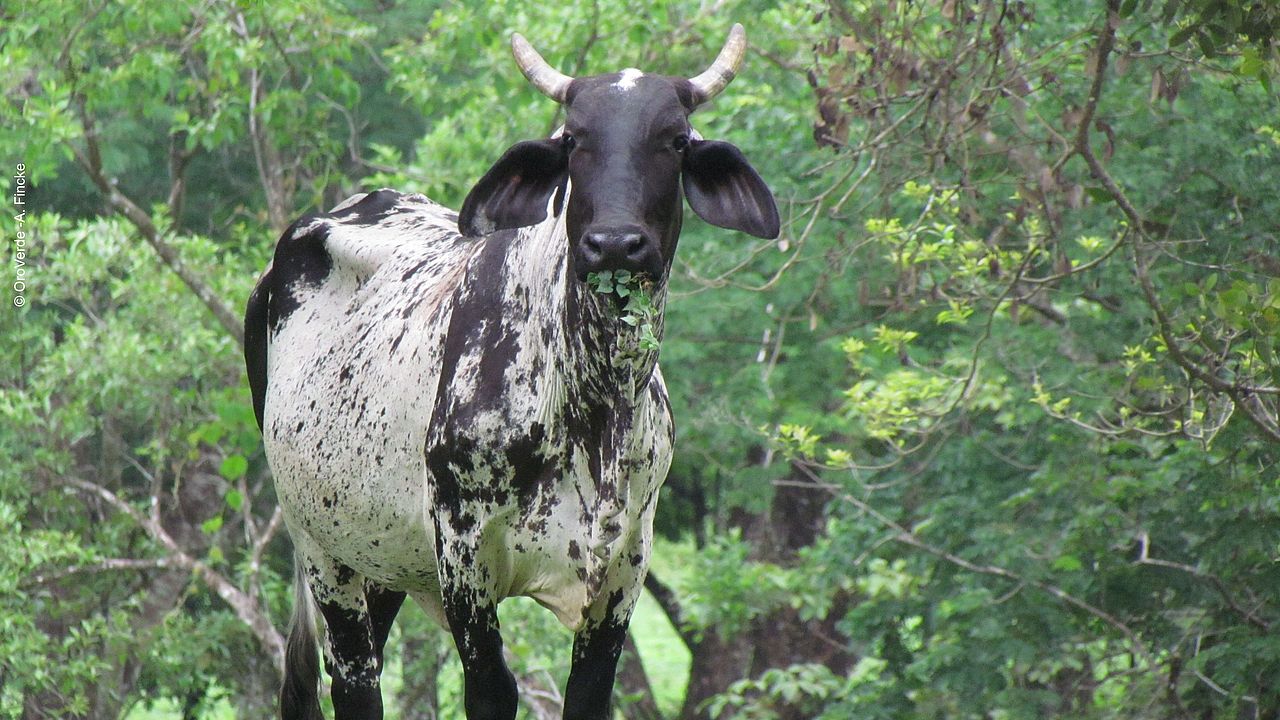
pixel 514 192
pixel 725 190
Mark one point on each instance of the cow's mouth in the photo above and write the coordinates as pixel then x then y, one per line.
pixel 629 294
pixel 624 288
pixel 631 297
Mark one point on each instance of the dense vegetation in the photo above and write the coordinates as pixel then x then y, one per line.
pixel 990 431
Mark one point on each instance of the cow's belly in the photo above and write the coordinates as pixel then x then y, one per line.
pixel 362 506
pixel 348 469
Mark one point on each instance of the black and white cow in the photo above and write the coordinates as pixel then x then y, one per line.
pixel 442 401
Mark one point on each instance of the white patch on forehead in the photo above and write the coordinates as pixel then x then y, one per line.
pixel 628 79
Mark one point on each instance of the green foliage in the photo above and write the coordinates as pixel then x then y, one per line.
pixel 1034 396
pixel 808 688
pixel 639 311
pixel 731 591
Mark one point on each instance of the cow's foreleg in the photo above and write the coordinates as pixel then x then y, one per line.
pixel 589 694
pixel 597 646
pixel 358 617
pixel 489 688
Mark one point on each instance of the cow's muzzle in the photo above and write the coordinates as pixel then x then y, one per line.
pixel 623 248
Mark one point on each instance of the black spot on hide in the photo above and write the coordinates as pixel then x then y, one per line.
pixel 344 575
pixel 531 467
pixel 301 260
pixel 372 209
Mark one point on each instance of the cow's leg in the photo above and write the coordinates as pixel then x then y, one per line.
pixel 357 616
pixel 489 688
pixel 384 605
pixel 597 646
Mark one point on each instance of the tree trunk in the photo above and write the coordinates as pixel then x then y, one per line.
pixel 423 650
pixel 716 663
pixel 633 693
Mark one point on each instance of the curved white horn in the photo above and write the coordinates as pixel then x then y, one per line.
pixel 549 81
pixel 715 78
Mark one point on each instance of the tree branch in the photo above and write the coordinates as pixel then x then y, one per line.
pixel 537 690
pixel 90 160
pixel 245 607
pixel 670 605
pixel 906 537
pixel 108 565
pixel 1144 558
pixel 1245 397
pixel 634 681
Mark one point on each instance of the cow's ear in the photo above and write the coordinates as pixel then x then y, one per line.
pixel 725 190
pixel 515 191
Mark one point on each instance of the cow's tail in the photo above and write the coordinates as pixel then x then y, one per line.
pixel 255 342
pixel 299 696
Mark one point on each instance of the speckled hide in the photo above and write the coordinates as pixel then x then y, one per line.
pixel 433 394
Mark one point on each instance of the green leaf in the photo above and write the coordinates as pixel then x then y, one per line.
pixel 1181 36
pixel 1206 44
pixel 1068 563
pixel 234 499
pixel 234 467
pixel 212 525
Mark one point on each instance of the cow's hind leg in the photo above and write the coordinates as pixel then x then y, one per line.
pixel 358 617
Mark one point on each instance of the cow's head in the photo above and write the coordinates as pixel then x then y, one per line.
pixel 625 146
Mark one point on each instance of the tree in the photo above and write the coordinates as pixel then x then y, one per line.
pixel 146 493
pixel 1059 369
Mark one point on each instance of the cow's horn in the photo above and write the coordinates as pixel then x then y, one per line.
pixel 549 81
pixel 715 78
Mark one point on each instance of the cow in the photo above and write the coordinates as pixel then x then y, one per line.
pixel 452 412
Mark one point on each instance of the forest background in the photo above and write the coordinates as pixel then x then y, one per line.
pixel 989 432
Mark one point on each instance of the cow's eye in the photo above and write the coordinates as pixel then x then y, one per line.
pixel 569 142
pixel 680 142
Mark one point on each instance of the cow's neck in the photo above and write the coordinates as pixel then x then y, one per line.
pixel 598 357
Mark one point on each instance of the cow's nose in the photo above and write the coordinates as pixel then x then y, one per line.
pixel 615 250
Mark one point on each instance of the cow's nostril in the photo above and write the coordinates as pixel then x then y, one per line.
pixel 614 248
pixel 593 242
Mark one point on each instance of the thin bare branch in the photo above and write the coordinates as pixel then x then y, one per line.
pixel 245 606
pixel 1144 558
pixel 108 565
